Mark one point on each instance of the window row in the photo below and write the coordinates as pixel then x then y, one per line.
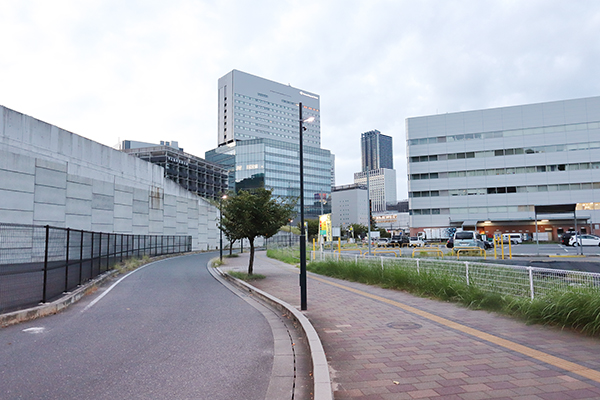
pixel 506 133
pixel 507 152
pixel 241 96
pixel 506 189
pixel 241 127
pixel 491 210
pixel 294 133
pixel 472 210
pixel 507 171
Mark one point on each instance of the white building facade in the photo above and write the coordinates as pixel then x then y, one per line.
pixel 382 187
pixel 349 205
pixel 251 107
pixel 488 169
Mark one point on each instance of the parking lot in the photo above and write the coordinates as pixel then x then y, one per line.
pixel 544 255
pixel 551 249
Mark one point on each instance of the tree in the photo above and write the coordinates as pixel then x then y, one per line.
pixel 312 227
pixel 248 215
pixel 359 230
pixel 384 233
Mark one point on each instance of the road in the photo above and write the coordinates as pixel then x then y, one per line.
pixel 167 331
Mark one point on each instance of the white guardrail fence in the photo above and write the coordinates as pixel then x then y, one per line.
pixel 512 280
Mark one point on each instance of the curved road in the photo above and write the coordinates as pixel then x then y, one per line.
pixel 167 331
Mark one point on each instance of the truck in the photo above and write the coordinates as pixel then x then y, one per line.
pixel 435 234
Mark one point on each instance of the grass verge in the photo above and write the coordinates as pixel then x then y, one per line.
pixel 245 277
pixel 131 264
pixel 287 255
pixel 576 308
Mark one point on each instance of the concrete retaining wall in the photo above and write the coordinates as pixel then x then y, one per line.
pixel 49 176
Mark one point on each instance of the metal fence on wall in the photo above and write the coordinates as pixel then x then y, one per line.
pixel 40 263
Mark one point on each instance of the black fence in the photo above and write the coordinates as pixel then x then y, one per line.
pixel 40 263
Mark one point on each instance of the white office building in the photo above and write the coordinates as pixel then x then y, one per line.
pixel 349 206
pixel 259 136
pixel 382 187
pixel 489 169
pixel 251 107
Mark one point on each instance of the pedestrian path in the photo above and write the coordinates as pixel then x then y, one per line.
pixel 386 344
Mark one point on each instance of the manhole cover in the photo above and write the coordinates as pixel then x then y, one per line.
pixel 403 325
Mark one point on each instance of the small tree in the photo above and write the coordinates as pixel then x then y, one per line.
pixel 384 233
pixel 359 230
pixel 312 227
pixel 248 215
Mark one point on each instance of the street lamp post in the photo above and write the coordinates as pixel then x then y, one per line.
pixel 221 226
pixel 302 229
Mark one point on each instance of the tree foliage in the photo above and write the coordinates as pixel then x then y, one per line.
pixel 359 230
pixel 312 227
pixel 250 214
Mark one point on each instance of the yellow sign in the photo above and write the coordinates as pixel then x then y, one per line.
pixel 325 226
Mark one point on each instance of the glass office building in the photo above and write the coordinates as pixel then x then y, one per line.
pixel 377 151
pixel 275 165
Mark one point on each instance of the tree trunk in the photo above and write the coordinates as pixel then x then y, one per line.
pixel 231 246
pixel 251 263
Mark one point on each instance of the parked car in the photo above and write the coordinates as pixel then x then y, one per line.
pixel 383 242
pixel 416 241
pixel 584 240
pixel 468 239
pixel 398 241
pixel 515 238
pixel 566 237
pixel 450 242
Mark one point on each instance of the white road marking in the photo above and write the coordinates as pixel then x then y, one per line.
pixel 97 299
pixel 35 330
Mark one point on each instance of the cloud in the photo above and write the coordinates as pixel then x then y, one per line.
pixel 113 70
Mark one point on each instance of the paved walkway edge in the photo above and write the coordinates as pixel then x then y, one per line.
pixel 56 306
pixel 322 381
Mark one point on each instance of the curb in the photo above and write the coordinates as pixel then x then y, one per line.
pixel 321 379
pixel 54 307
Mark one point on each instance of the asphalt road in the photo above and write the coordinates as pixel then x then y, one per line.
pixel 167 331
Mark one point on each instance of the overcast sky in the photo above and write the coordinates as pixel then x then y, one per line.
pixel 111 70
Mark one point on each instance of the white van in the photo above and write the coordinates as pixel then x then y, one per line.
pixel 513 237
pixel 468 239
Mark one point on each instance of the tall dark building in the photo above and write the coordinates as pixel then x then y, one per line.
pixel 377 151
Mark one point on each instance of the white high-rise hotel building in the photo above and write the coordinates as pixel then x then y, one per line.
pixel 258 139
pixel 488 169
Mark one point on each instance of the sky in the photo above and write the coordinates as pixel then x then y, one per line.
pixel 113 70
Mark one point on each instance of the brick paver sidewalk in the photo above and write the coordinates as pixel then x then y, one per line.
pixel 385 344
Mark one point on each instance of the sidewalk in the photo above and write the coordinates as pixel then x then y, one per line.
pixel 385 344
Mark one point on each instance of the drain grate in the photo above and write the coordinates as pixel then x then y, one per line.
pixel 403 325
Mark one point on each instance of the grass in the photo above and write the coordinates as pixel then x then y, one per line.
pixel 245 277
pixel 576 308
pixel 287 255
pixel 131 263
